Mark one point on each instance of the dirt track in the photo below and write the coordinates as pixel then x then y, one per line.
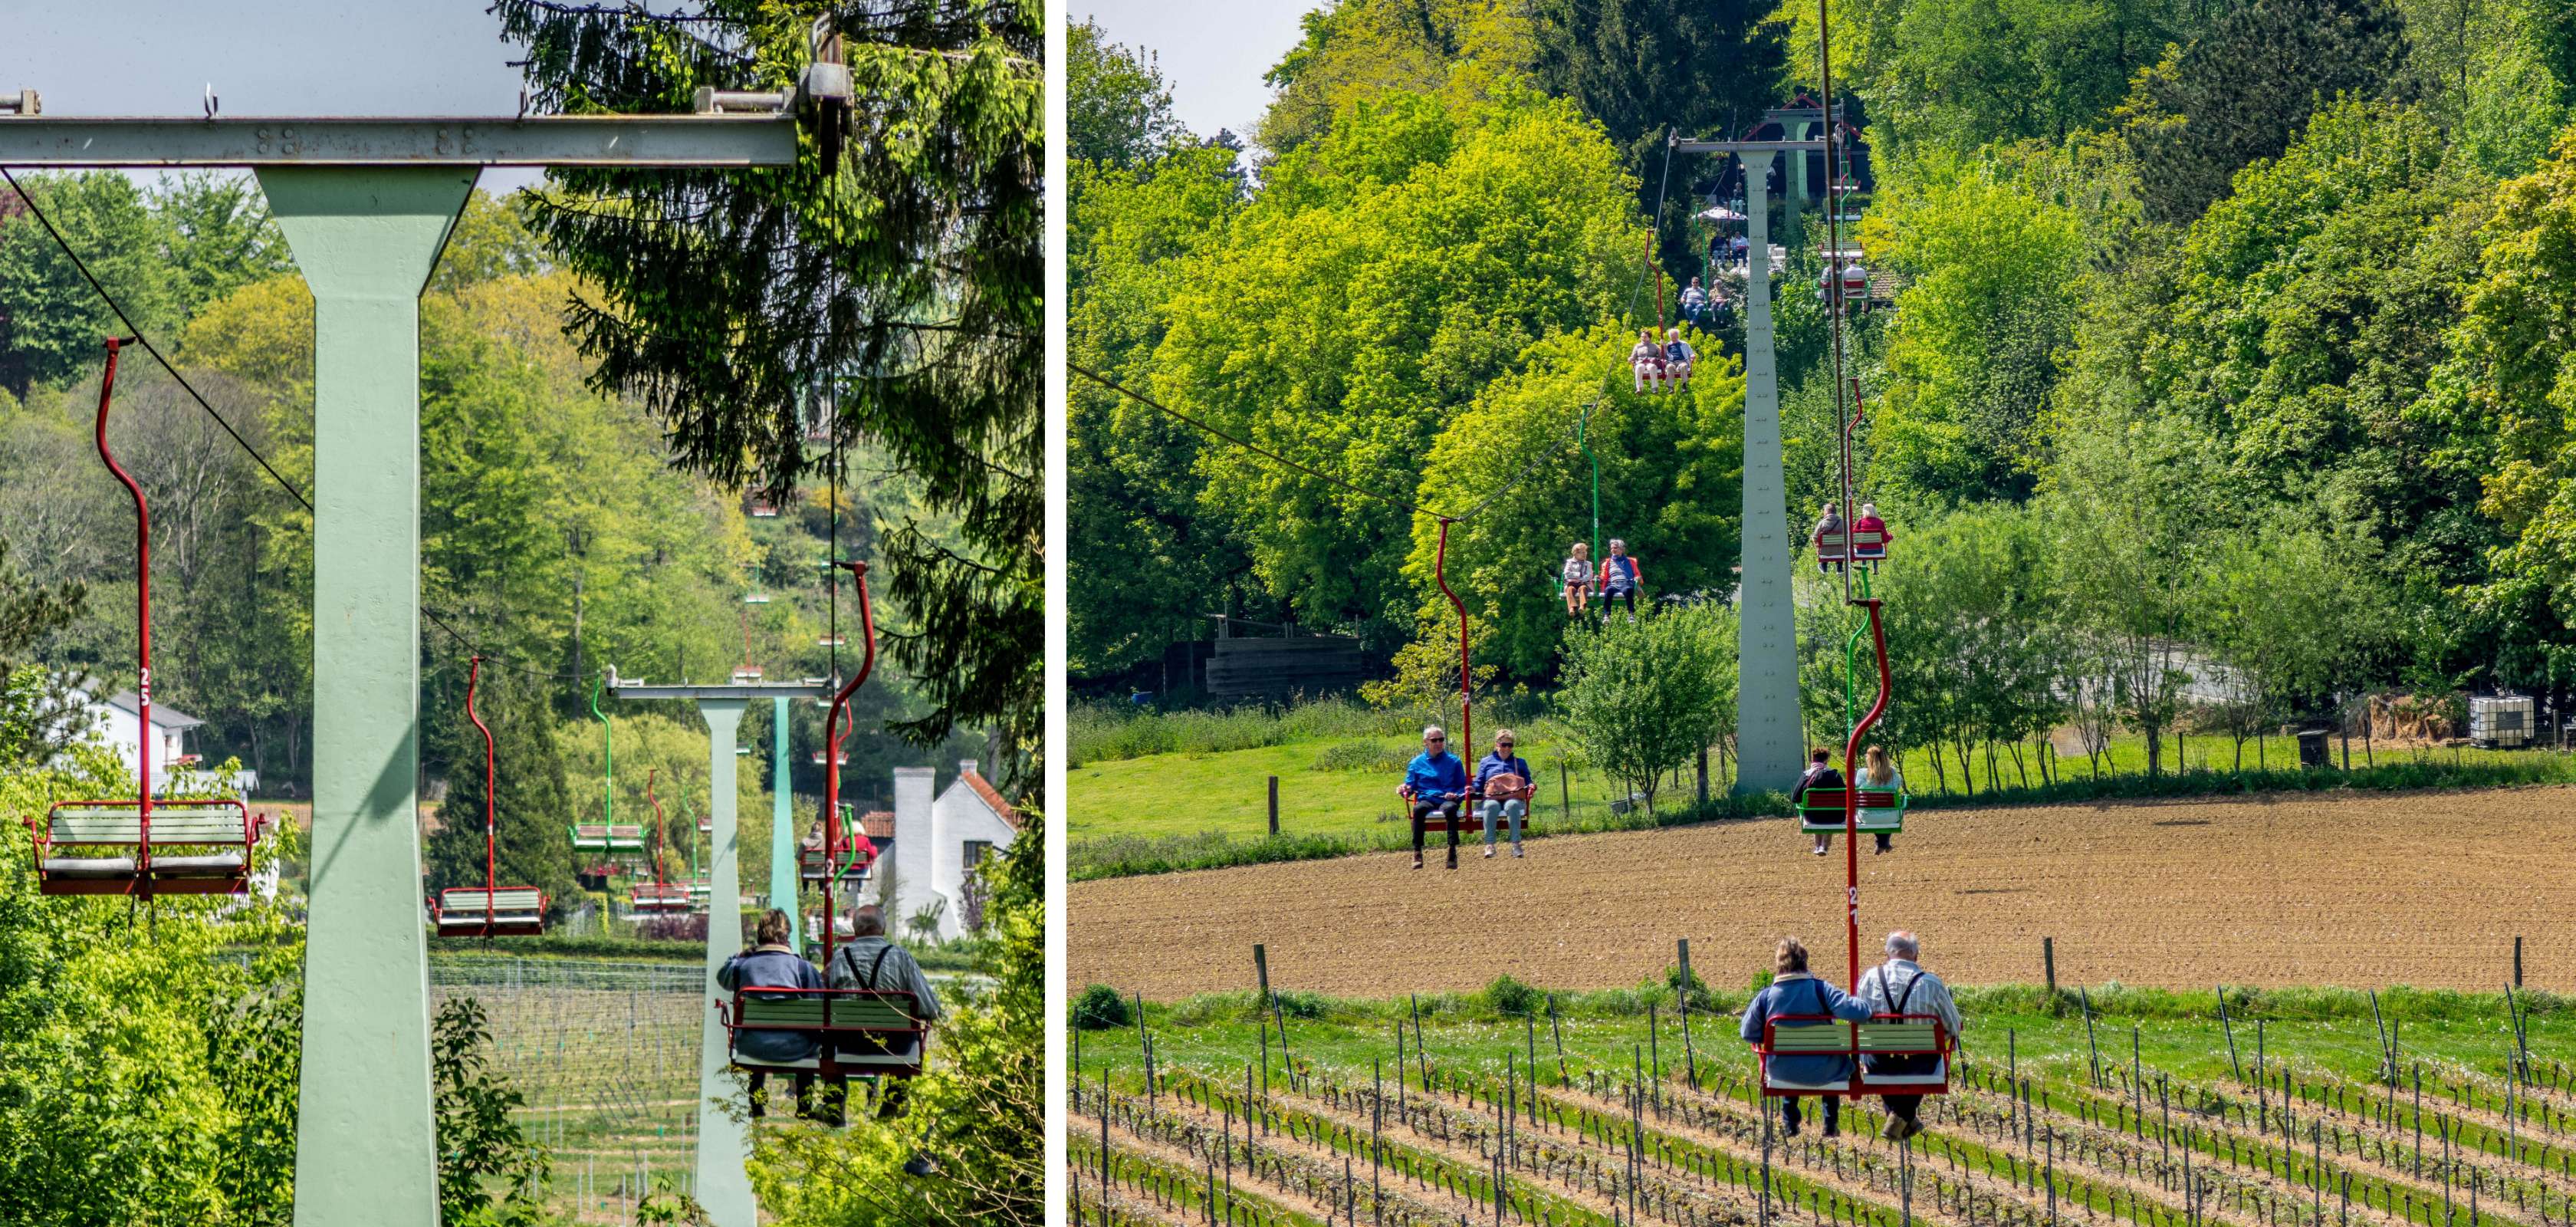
pixel 2421 889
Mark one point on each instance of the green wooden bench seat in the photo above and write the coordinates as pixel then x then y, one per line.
pixel 650 897
pixel 510 911
pixel 198 847
pixel 612 837
pixel 1821 811
pixel 1911 1035
pixel 850 1023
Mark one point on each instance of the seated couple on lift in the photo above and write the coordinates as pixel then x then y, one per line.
pixel 1819 799
pixel 1661 364
pixel 1618 579
pixel 868 961
pixel 1898 988
pixel 1436 786
pixel 1864 540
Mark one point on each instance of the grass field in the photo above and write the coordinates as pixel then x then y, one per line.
pixel 1196 809
pixel 2151 1111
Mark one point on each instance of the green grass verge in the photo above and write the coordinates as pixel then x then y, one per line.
pixel 1170 813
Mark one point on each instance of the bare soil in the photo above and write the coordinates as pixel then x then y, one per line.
pixel 2423 889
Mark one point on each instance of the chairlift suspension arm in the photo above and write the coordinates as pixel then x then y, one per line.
pixel 608 756
pixel 1466 673
pixel 142 614
pixel 832 729
pixel 1851 789
pixel 491 847
pixel 650 773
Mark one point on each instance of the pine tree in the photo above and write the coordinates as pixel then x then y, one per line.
pixel 911 271
pixel 2244 90
pixel 533 802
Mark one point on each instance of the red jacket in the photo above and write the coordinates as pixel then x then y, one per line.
pixel 1872 524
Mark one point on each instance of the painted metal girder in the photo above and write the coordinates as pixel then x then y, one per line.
pixel 499 140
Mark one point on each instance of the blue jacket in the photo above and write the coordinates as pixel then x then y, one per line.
pixel 1801 993
pixel 1618 573
pixel 1436 777
pixel 1495 764
pixel 771 967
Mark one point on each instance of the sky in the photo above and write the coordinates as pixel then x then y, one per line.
pixel 263 57
pixel 1212 51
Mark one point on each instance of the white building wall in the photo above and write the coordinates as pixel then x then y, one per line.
pixel 914 826
pixel 121 731
pixel 962 816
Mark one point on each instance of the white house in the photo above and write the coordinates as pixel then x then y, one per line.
pixel 117 720
pixel 934 842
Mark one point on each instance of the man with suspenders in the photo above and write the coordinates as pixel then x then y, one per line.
pixel 1900 986
pixel 872 962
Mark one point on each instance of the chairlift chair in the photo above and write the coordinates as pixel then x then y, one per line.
pixel 861 1032
pixel 1883 1036
pixel 489 910
pixel 1882 811
pixel 659 896
pixel 132 834
pixel 763 509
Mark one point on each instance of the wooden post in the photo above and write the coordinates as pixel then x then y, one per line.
pixel 1690 1058
pixel 1556 1027
pixel 2091 1042
pixel 2230 1028
pixel 1274 805
pixel 2517 962
pixel 1703 777
pixel 2048 962
pixel 1564 793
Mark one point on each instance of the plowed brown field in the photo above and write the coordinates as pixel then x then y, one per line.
pixel 2362 891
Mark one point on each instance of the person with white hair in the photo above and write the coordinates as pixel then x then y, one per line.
pixel 1435 782
pixel 1620 580
pixel 872 963
pixel 1901 986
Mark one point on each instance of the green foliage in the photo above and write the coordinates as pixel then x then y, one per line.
pixel 1667 461
pixel 2243 90
pixel 1118 107
pixel 1099 1007
pixel 1972 359
pixel 1385 275
pixel 489 1173
pixel 1646 68
pixel 132 1054
pixel 39 714
pixel 1964 73
pixel 221 238
pixel 1648 696
pixel 910 270
pixel 1513 999
pixel 1352 52
pixel 50 319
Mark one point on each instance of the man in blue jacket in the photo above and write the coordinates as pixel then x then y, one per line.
pixel 1436 783
pixel 1793 993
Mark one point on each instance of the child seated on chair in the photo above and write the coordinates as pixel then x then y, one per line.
pixel 1646 361
pixel 1577 578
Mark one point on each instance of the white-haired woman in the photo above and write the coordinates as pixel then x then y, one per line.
pixel 1435 783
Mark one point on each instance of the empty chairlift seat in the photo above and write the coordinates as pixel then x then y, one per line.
pixel 660 898
pixel 475 911
pixel 1821 811
pixel 99 848
pixel 614 837
pixel 860 1031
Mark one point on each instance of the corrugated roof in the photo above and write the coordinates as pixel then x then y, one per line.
pixel 163 716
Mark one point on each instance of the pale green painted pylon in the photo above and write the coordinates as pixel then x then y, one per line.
pixel 724 1142
pixel 782 833
pixel 366 1142
pixel 1767 733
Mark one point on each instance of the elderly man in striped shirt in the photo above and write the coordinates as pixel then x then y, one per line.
pixel 1901 986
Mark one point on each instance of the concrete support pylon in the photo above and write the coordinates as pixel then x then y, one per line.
pixel 1767 732
pixel 724 1143
pixel 366 1141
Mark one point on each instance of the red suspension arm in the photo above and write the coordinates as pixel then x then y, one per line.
pixel 649 774
pixel 1466 674
pixel 832 730
pixel 1851 787
pixel 142 614
pixel 491 854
